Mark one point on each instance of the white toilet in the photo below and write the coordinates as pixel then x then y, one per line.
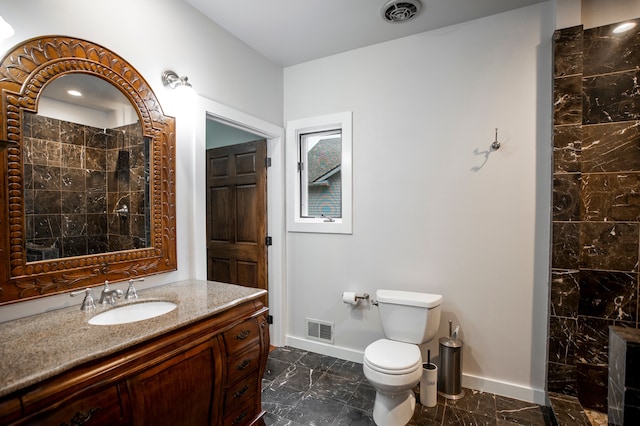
pixel 393 365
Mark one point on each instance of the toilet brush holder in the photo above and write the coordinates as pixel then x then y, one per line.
pixel 450 379
pixel 429 385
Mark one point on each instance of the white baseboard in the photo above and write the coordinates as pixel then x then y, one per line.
pixel 325 349
pixel 483 384
pixel 511 390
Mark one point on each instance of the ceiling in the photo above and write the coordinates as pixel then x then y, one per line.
pixel 289 32
pixel 96 93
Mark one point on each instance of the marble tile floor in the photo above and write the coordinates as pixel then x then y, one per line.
pixel 567 411
pixel 597 418
pixel 305 388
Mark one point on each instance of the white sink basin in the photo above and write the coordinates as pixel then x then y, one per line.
pixel 132 313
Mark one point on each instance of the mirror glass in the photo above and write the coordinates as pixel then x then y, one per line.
pixel 86 171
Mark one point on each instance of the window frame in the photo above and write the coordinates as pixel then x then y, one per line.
pixel 295 128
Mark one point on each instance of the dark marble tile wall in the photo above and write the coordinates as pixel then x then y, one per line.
pixel 127 179
pixel 72 184
pixel 596 205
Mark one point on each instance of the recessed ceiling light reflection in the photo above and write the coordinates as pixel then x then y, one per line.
pixel 74 93
pixel 624 27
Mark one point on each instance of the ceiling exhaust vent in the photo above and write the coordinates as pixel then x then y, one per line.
pixel 400 10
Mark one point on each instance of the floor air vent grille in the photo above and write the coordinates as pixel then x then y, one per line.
pixel 320 330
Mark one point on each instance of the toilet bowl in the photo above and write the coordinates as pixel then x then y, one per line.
pixel 393 365
pixel 393 369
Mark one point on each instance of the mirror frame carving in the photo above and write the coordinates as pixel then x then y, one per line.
pixel 24 72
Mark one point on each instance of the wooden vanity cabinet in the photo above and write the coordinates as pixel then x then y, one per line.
pixel 10 409
pixel 177 391
pixel 207 373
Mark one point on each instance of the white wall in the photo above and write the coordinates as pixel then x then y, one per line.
pixel 567 13
pixel 596 13
pixel 432 212
pixel 220 134
pixel 155 35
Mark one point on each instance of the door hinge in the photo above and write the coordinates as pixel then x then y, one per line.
pixel 269 319
pixel 267 162
pixel 268 241
pixel 300 166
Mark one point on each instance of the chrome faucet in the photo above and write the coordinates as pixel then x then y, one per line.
pixel 109 295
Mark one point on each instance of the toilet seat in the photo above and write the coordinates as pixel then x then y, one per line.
pixel 392 357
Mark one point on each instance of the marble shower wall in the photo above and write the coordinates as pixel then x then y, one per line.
pixel 596 205
pixel 76 177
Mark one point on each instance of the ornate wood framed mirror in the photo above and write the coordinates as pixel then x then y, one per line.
pixel 83 200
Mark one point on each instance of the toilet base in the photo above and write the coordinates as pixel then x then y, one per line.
pixel 394 410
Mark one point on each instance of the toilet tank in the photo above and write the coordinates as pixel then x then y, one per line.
pixel 409 316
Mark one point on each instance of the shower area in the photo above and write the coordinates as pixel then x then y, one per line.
pixel 86 188
pixel 596 206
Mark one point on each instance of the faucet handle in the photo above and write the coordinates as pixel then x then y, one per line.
pixel 88 304
pixel 131 291
pixel 105 295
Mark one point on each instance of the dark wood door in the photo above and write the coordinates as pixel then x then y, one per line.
pixel 237 214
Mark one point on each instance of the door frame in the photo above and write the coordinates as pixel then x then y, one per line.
pixel 276 253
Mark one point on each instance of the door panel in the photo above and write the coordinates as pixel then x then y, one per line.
pixel 246 164
pixel 237 214
pixel 247 204
pixel 218 166
pixel 218 211
pixel 219 268
pixel 247 273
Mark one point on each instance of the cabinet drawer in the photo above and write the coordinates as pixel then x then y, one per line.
pixel 242 416
pixel 240 392
pixel 94 408
pixel 241 336
pixel 241 364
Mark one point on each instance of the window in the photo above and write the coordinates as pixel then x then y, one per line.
pixel 320 167
pixel 319 174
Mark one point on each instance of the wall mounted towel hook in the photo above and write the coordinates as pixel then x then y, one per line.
pixel 495 145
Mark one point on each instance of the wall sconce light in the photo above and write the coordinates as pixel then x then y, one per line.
pixel 172 80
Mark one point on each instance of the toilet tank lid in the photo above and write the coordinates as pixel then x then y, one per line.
pixel 411 298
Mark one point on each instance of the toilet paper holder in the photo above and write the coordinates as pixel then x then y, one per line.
pixel 353 298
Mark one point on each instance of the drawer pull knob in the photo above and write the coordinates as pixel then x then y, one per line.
pixel 238 419
pixel 244 364
pixel 80 418
pixel 243 335
pixel 241 392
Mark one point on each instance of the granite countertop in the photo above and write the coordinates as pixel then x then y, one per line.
pixel 44 345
